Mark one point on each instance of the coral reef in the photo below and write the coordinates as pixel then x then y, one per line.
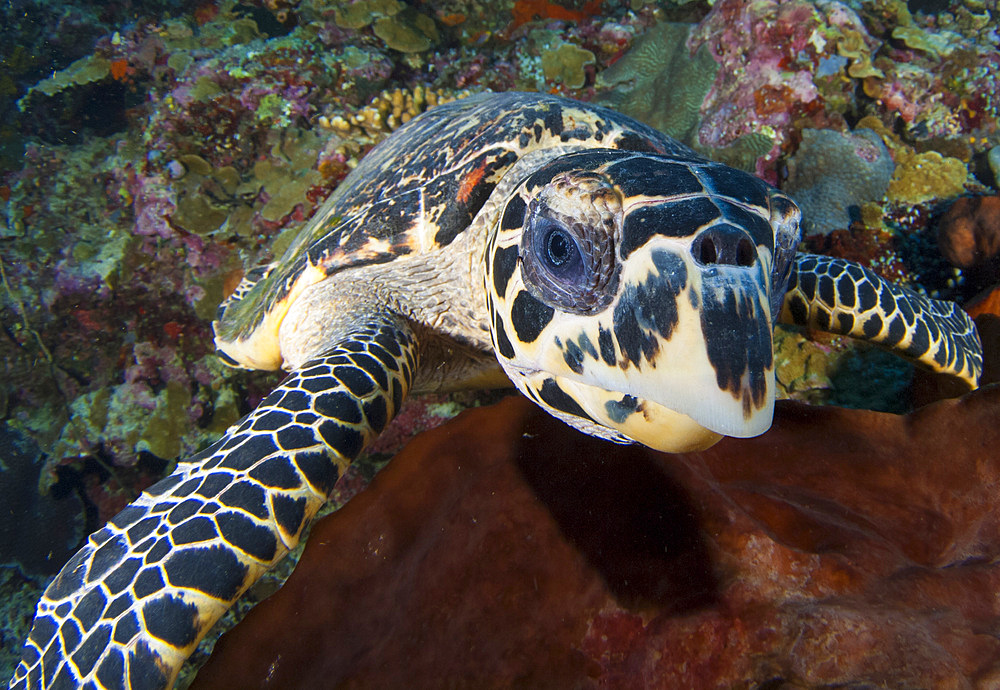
pixel 562 561
pixel 834 173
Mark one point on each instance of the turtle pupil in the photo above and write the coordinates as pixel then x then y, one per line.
pixel 558 248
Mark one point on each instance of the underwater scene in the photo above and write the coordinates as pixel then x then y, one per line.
pixel 638 262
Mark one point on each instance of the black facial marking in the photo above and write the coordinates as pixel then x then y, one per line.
pixel 513 215
pixel 586 346
pixel 759 229
pixel 735 184
pixel 607 346
pixel 619 410
pixel 630 141
pixel 583 160
pixel 573 357
pixel 503 342
pixel 671 219
pixel 554 396
pixel 647 311
pixel 738 341
pixel 504 263
pixel 529 316
pixel 653 177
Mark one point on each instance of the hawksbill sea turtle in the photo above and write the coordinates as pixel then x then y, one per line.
pixel 624 283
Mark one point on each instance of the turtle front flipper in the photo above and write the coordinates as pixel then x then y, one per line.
pixel 131 606
pixel 840 296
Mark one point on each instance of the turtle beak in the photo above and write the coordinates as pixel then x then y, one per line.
pixel 684 353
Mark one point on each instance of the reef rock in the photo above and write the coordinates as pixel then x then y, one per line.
pixel 834 173
pixel 842 548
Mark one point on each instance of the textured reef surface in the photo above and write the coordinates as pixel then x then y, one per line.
pixel 150 152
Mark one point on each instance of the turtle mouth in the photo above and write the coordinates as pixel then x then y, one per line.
pixel 640 420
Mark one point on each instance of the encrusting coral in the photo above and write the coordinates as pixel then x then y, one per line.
pixel 833 174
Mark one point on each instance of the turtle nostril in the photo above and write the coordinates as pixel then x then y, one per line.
pixel 706 251
pixel 745 252
pixel 724 245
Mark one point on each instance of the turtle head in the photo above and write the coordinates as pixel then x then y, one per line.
pixel 633 295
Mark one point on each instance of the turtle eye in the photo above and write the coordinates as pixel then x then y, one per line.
pixel 559 253
pixel 567 262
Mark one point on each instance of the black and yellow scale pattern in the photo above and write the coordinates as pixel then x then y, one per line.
pixel 624 283
pixel 839 296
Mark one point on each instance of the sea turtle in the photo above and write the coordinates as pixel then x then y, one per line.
pixel 624 283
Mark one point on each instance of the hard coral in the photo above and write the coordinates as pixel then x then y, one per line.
pixel 833 174
pixel 558 560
